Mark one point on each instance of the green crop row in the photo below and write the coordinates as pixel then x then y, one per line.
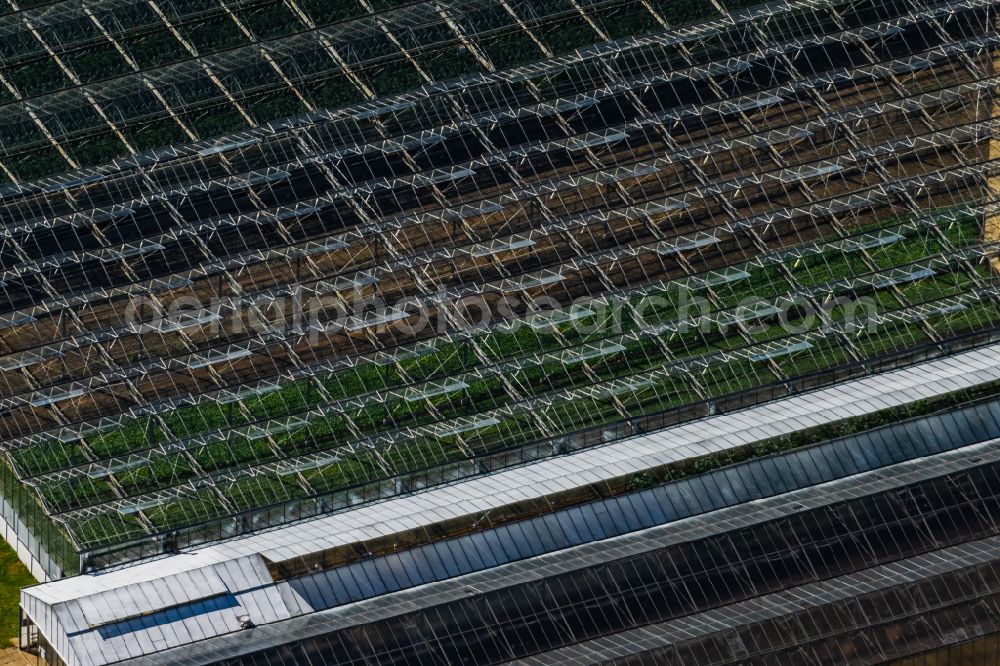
pixel 197 507
pixel 259 491
pixel 363 468
pixel 139 433
pixel 150 49
pixel 454 358
pixel 68 493
pixel 46 457
pixel 105 529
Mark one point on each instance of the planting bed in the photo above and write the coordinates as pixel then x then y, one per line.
pixel 696 223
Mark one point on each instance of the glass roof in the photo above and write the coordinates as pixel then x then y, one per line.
pixel 405 241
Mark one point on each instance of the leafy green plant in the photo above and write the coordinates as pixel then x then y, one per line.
pixel 136 434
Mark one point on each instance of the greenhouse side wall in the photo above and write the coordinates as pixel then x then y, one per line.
pixel 40 544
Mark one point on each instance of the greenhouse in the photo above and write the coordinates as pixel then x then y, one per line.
pixel 267 264
pixel 587 572
pixel 370 299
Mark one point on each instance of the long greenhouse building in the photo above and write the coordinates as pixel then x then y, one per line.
pixel 495 331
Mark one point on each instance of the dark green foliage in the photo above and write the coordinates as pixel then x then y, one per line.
pixel 216 120
pixel 273 106
pixel 155 49
pixel 511 49
pixel 395 78
pixel 260 491
pixel 164 132
pixel 98 149
pixel 77 492
pixel 272 20
pixel 137 434
pixel 159 472
pixel 235 452
pixel 201 418
pixel 625 21
pixel 333 93
pixel 97 62
pixel 449 63
pixel 676 12
pixel 218 33
pixel 106 529
pixel 351 471
pixel 192 509
pixel 37 77
pixel 569 35
pixel 331 11
pixel 47 457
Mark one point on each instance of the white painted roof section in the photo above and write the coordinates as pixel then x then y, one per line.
pixel 229 579
pixel 100 619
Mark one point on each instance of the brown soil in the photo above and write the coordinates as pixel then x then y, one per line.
pixel 13 657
